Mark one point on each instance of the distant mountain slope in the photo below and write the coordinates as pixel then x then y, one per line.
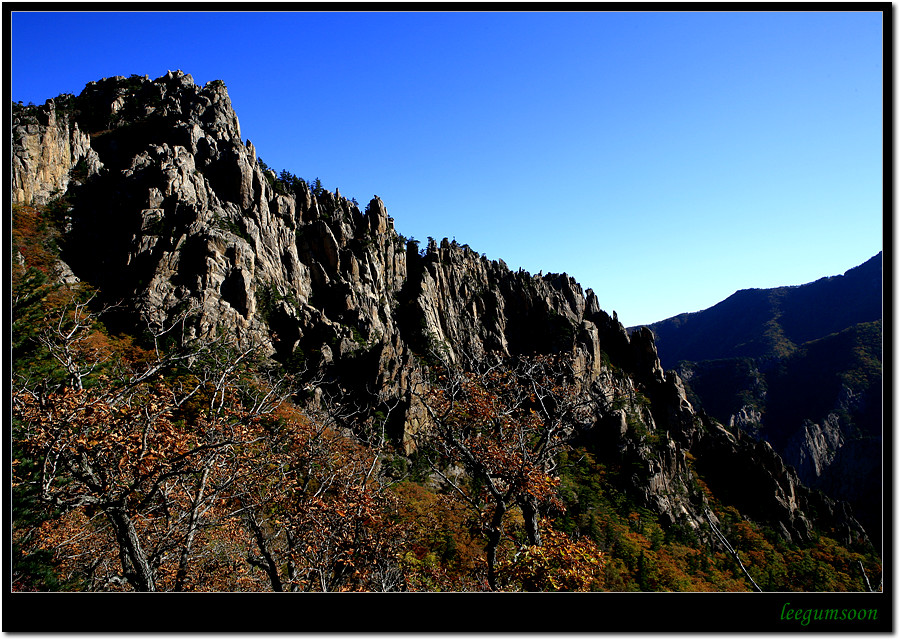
pixel 765 323
pixel 800 367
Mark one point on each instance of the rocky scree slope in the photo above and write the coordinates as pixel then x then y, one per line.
pixel 169 209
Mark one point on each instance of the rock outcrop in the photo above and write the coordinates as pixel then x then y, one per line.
pixel 46 152
pixel 172 211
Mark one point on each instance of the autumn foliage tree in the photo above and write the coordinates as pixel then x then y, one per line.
pixel 185 467
pixel 316 517
pixel 503 425
pixel 558 564
pixel 118 444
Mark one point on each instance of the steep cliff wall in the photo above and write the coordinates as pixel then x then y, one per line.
pixel 172 211
pixel 46 150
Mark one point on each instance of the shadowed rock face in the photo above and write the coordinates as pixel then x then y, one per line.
pixel 172 211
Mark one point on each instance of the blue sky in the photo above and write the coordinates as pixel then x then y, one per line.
pixel 663 159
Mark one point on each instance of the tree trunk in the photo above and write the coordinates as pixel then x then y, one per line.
pixel 135 565
pixel 495 534
pixel 181 574
pixel 530 514
pixel 267 563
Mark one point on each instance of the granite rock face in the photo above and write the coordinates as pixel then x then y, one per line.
pixel 46 150
pixel 172 211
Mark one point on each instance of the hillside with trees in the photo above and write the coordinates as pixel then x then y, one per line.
pixel 800 367
pixel 771 323
pixel 227 379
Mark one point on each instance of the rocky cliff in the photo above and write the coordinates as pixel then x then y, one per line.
pixel 169 210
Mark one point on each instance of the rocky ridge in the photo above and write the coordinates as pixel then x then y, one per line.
pixel 156 173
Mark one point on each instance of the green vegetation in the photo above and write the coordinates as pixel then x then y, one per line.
pixel 267 299
pixel 288 184
pixel 226 224
pixel 645 556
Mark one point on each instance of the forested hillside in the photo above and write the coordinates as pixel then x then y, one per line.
pixel 770 323
pixel 800 367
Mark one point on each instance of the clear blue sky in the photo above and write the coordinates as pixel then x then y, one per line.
pixel 663 159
